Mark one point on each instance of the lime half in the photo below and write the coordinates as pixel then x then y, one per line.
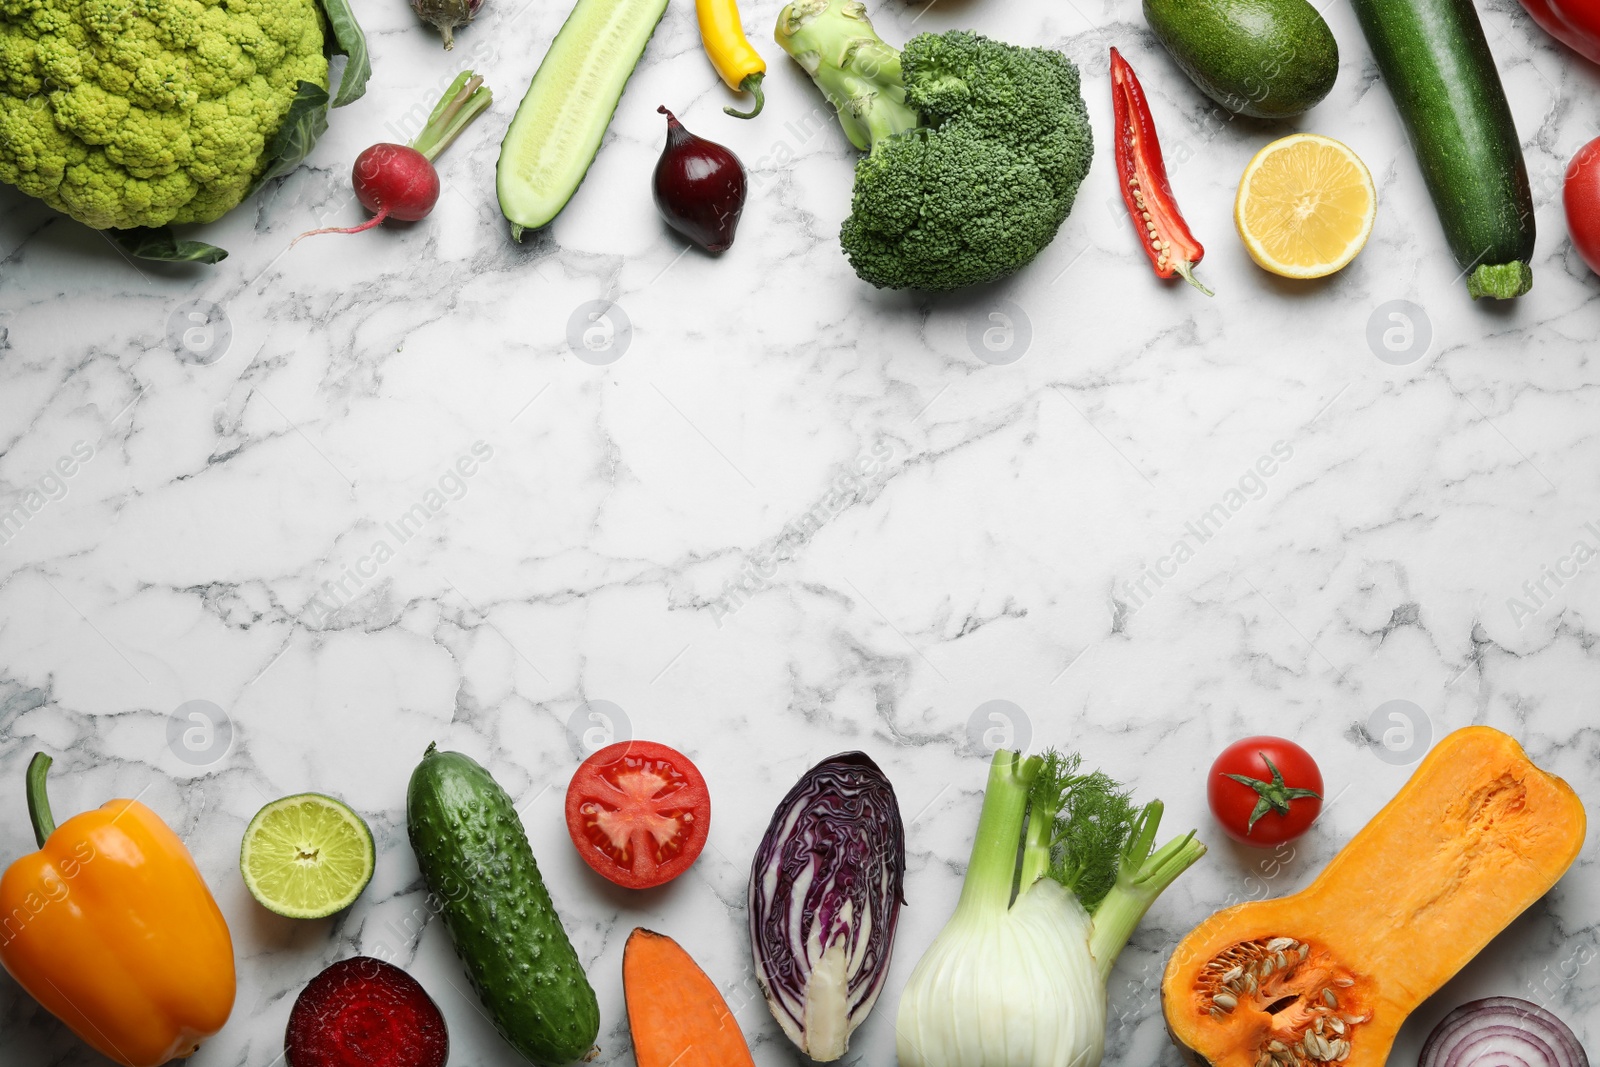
pixel 306 856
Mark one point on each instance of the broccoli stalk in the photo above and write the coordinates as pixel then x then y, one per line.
pixel 858 73
pixel 975 148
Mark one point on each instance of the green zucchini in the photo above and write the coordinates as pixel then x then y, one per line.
pixel 558 126
pixel 483 880
pixel 1436 61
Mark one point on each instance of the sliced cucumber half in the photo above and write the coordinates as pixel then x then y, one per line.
pixel 559 125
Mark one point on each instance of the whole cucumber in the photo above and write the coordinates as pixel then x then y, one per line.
pixel 483 879
pixel 1436 61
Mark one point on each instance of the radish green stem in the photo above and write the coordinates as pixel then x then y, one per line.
pixel 464 101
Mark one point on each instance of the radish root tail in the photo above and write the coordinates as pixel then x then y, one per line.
pixel 383 213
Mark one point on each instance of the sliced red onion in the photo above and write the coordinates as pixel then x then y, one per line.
pixel 1502 1032
pixel 825 894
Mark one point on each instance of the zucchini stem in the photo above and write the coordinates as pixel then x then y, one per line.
pixel 1501 281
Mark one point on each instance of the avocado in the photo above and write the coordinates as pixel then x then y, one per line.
pixel 1270 59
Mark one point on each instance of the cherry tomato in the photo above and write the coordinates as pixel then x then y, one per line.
pixel 1265 790
pixel 1581 195
pixel 639 813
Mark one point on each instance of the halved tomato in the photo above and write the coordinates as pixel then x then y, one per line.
pixel 639 813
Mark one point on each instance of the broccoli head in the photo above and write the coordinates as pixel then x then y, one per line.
pixel 975 148
pixel 126 113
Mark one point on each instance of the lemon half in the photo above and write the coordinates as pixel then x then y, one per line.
pixel 1305 207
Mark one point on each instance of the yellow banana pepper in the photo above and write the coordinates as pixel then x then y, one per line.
pixel 110 927
pixel 737 63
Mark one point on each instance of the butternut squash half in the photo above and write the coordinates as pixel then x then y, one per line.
pixel 1327 975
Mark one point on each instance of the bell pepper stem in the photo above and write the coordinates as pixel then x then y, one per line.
pixel 752 84
pixel 44 824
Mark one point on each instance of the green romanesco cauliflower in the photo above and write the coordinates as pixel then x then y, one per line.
pixel 127 113
pixel 975 148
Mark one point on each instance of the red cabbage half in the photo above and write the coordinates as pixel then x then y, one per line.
pixel 825 894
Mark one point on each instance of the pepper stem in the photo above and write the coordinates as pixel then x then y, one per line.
pixel 44 824
pixel 752 84
pixel 1186 269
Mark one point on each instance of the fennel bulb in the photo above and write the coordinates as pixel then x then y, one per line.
pixel 1062 870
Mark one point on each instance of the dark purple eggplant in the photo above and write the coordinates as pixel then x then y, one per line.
pixel 699 187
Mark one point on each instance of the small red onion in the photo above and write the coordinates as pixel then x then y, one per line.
pixel 699 187
pixel 1502 1032
pixel 446 15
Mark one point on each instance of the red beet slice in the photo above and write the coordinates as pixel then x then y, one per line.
pixel 362 1012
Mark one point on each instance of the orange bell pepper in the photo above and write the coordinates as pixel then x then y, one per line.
pixel 110 927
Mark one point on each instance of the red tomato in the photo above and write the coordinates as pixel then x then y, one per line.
pixel 1581 195
pixel 638 813
pixel 1265 790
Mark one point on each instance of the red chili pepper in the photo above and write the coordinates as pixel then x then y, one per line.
pixel 1143 177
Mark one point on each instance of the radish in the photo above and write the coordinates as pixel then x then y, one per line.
pixel 397 181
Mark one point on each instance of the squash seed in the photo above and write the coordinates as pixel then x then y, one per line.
pixel 1336 1023
pixel 1329 997
pixel 1225 1001
pixel 1279 942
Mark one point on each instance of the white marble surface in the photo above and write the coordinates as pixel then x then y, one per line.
pixel 983 556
